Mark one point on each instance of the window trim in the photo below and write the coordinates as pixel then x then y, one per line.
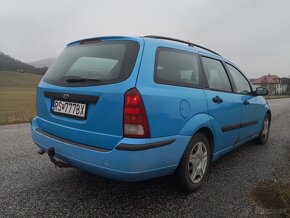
pixel 235 90
pixel 206 85
pixel 172 83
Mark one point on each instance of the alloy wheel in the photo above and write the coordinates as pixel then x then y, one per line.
pixel 197 163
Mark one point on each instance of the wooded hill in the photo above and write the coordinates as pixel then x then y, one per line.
pixel 8 63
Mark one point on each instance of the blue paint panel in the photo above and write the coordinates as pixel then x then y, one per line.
pixel 162 102
pixel 224 115
pixel 254 111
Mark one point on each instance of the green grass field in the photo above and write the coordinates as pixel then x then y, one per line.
pixel 17 96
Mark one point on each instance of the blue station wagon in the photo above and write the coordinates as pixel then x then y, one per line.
pixel 136 108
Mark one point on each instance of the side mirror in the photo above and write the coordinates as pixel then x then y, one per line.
pixel 261 91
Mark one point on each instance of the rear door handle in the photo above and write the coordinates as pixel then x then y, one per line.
pixel 217 100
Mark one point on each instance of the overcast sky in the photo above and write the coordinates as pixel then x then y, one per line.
pixel 254 34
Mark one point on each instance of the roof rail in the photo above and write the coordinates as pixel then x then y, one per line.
pixel 182 41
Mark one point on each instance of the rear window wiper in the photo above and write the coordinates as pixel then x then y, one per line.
pixel 75 80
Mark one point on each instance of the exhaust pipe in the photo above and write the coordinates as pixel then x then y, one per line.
pixel 56 162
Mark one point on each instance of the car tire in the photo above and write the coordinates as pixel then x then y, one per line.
pixel 194 164
pixel 264 133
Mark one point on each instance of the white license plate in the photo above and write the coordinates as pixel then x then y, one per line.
pixel 69 108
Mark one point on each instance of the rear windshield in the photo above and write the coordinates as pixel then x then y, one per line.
pixel 93 64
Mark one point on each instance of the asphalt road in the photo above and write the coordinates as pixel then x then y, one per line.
pixel 30 186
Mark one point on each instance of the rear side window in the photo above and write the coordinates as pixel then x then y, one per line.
pixel 175 67
pixel 216 75
pixel 242 84
pixel 93 64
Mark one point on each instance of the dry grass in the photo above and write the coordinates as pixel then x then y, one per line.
pixel 274 196
pixel 17 96
pixel 276 96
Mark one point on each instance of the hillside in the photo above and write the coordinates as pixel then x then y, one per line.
pixel 8 63
pixel 42 63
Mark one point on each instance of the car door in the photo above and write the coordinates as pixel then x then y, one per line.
pixel 224 107
pixel 251 107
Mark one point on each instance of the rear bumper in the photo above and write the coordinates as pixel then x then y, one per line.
pixel 130 160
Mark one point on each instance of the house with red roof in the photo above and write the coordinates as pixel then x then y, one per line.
pixel 275 84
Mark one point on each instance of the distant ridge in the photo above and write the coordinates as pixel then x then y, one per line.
pixel 8 63
pixel 42 63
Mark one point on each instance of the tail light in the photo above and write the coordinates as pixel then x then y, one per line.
pixel 135 122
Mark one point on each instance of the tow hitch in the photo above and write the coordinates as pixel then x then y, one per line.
pixel 56 162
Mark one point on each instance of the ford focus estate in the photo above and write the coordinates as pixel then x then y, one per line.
pixel 136 108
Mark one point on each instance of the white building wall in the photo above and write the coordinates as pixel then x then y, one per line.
pixel 278 88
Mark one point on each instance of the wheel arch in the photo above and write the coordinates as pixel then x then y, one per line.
pixel 270 115
pixel 200 123
pixel 210 136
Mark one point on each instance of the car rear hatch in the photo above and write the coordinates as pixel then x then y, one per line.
pixel 81 96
